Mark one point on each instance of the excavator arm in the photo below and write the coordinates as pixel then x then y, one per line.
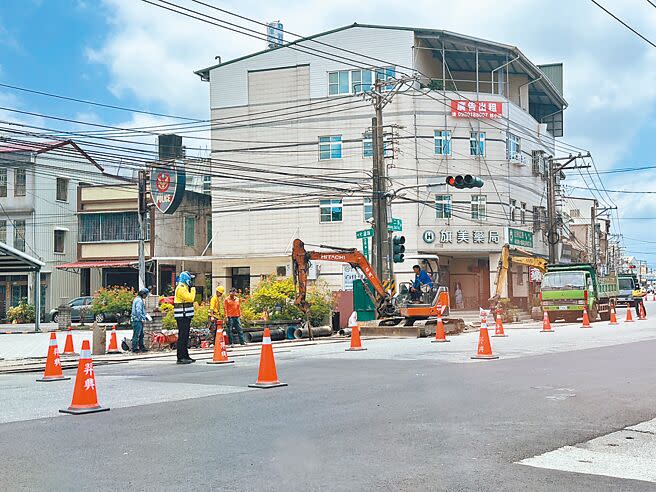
pixel 504 263
pixel 301 262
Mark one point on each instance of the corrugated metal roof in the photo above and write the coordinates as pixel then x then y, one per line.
pixel 554 72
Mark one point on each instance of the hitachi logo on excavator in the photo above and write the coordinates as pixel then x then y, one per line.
pixel 333 257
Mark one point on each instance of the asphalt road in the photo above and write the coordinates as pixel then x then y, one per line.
pixel 380 419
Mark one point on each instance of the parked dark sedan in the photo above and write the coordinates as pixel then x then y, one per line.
pixel 81 311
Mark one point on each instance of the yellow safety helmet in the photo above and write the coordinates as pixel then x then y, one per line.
pixel 220 289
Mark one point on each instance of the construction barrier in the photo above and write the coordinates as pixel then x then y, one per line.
pixel 85 399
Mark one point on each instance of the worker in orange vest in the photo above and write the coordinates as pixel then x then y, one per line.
pixel 232 310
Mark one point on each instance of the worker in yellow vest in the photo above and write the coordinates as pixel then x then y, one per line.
pixel 183 311
pixel 215 309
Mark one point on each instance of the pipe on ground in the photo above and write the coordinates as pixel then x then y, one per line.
pixel 318 331
pixel 256 336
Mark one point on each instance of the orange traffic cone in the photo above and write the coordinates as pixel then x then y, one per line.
pixel 586 319
pixel 68 346
pixel 546 324
pixel 498 330
pixel 356 343
pixel 643 314
pixel 53 370
pixel 113 344
pixel 629 316
pixel 220 353
pixel 440 335
pixel 613 316
pixel 267 377
pixel 85 399
pixel 484 347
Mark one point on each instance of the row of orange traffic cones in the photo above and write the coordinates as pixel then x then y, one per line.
pixel 70 350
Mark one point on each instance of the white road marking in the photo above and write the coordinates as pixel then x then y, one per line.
pixel 627 454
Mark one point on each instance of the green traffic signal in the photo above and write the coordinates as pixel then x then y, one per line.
pixel 398 249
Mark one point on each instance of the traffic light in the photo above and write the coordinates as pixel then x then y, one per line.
pixel 398 249
pixel 466 181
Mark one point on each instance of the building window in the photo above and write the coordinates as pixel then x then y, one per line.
pixel 62 189
pixel 361 80
pixel 478 207
pixel 189 231
pixel 358 81
pixel 207 184
pixel 3 181
pixel 513 210
pixel 109 227
pixel 60 239
pixel 368 209
pixel 19 181
pixel 443 206
pixel 368 146
pixel 3 231
pixel 522 213
pixel 331 210
pixel 19 235
pixel 442 142
pixel 281 271
pixel 330 147
pixel 477 143
pixel 513 148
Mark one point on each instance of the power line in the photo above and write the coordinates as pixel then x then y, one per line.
pixel 94 103
pixel 622 22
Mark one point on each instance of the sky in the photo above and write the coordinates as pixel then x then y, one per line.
pixel 132 54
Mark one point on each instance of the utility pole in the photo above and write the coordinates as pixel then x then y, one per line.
pixel 553 222
pixel 381 246
pixel 381 250
pixel 142 228
pixel 593 234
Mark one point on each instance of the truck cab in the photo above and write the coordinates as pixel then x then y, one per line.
pixel 627 284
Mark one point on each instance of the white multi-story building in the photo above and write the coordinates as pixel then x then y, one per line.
pixel 292 156
pixel 38 205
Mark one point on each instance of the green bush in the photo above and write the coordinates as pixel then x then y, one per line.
pixel 200 316
pixel 276 296
pixel 113 301
pixel 23 313
pixel 168 322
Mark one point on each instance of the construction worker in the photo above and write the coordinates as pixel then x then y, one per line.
pixel 421 278
pixel 639 296
pixel 183 310
pixel 137 317
pixel 232 309
pixel 215 309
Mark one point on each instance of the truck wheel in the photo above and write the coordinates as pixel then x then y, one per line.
pixel 552 317
pixel 594 313
pixel 605 316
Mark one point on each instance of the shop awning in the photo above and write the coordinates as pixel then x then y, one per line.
pixel 97 264
pixel 12 260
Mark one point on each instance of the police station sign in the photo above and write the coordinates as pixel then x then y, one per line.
pixel 167 185
pixel 476 109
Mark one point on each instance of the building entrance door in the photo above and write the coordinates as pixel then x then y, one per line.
pixel 241 278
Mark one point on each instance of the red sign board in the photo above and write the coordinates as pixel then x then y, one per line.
pixel 476 109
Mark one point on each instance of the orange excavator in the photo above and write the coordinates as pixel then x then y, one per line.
pixel 391 310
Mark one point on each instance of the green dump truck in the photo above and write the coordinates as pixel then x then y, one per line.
pixel 567 288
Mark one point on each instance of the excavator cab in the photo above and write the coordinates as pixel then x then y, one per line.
pixel 431 301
